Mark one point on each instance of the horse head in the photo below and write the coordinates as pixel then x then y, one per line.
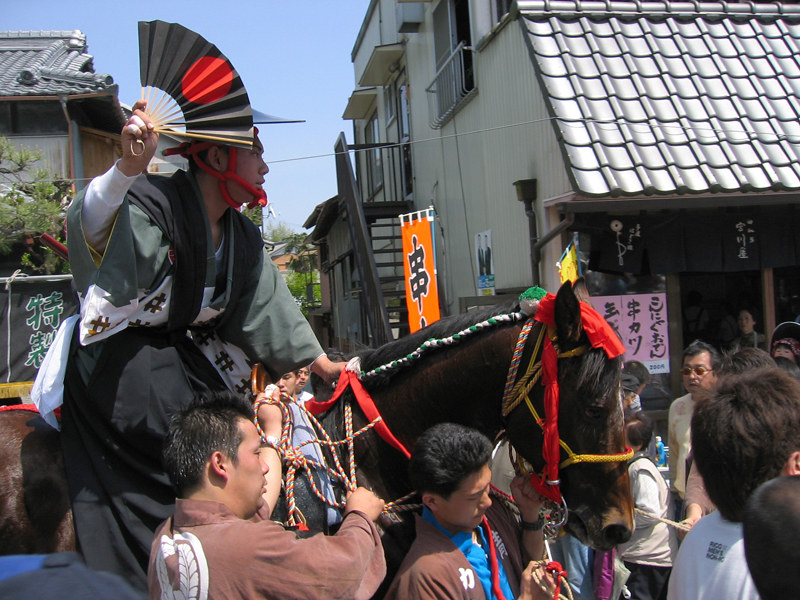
pixel 592 473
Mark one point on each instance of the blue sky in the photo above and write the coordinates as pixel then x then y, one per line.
pixel 293 57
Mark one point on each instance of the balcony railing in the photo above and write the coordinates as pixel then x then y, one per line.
pixel 452 86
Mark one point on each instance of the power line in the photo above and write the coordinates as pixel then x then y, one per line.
pixel 720 134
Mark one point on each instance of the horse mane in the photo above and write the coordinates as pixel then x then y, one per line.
pixel 370 359
pixel 597 375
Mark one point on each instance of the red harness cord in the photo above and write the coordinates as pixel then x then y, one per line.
pixel 600 335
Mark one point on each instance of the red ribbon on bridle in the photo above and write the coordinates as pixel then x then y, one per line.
pixel 365 401
pixel 600 335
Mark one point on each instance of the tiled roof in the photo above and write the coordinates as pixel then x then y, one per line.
pixel 47 63
pixel 671 97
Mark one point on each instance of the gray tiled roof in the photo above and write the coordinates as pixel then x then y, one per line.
pixel 671 97
pixel 46 63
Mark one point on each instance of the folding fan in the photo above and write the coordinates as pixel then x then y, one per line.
pixel 191 88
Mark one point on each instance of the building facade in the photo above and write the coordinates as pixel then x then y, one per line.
pixel 663 136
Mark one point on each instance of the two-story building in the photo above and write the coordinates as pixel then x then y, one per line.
pixel 663 135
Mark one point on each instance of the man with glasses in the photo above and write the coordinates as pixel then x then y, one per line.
pixel 700 360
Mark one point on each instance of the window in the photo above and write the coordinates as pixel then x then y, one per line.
pixel 452 46
pixel 32 117
pixel 374 162
pixel 404 130
pixel 499 9
pixel 389 102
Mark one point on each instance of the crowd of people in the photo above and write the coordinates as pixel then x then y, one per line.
pixel 173 477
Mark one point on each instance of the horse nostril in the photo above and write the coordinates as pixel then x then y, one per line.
pixel 616 534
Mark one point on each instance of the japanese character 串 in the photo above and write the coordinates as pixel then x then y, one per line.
pixel 419 279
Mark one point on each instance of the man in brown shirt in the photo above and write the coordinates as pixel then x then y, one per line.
pixel 220 542
pixel 468 546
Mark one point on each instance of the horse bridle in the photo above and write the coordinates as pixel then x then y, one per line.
pixel 517 391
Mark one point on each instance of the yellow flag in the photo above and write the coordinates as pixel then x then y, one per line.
pixel 568 267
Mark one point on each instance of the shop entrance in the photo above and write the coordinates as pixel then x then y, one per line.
pixel 710 304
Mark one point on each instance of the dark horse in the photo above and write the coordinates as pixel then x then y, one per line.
pixel 464 383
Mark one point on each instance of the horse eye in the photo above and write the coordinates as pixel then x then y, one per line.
pixel 595 412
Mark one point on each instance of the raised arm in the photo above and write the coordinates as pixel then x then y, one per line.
pixel 105 193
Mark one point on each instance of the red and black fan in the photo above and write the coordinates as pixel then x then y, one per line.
pixel 192 89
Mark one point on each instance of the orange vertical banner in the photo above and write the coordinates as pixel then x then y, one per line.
pixel 419 267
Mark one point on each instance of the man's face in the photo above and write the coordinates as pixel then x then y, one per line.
pixel 287 383
pixel 699 386
pixel 463 510
pixel 302 379
pixel 251 167
pixel 247 482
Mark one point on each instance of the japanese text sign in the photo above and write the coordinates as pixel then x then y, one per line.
pixel 640 320
pixel 32 309
pixel 419 267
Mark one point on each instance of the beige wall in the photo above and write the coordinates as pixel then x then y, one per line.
pixel 467 168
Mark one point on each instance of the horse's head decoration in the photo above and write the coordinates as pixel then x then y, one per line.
pixel 578 450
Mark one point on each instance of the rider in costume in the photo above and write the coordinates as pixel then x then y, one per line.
pixel 177 296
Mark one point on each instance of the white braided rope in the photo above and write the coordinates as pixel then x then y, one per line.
pixel 434 343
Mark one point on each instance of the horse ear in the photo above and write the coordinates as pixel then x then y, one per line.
pixel 568 317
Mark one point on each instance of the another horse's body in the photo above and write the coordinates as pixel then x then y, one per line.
pixel 35 515
pixel 464 383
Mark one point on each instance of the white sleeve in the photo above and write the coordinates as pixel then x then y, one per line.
pixel 102 200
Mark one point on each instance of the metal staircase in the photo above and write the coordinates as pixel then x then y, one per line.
pixel 377 248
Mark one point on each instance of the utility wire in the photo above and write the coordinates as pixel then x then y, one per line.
pixel 700 133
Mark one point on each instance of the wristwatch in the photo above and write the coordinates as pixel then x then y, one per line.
pixel 528 526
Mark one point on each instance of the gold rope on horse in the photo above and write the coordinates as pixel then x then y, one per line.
pixel 521 391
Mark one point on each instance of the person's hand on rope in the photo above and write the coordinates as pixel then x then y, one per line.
pixel 139 141
pixel 694 512
pixel 327 369
pixel 365 501
pixel 536 583
pixel 528 500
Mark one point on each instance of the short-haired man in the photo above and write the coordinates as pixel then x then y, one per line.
pixel 746 433
pixel 220 542
pixel 771 526
pixel 700 361
pixel 467 546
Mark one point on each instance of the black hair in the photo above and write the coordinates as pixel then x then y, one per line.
pixel 745 359
pixel 638 428
pixel 698 346
pixel 638 370
pixel 210 423
pixel 445 455
pixel 770 524
pixel 743 434
pixel 788 365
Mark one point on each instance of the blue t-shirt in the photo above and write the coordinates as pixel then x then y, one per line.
pixel 477 556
